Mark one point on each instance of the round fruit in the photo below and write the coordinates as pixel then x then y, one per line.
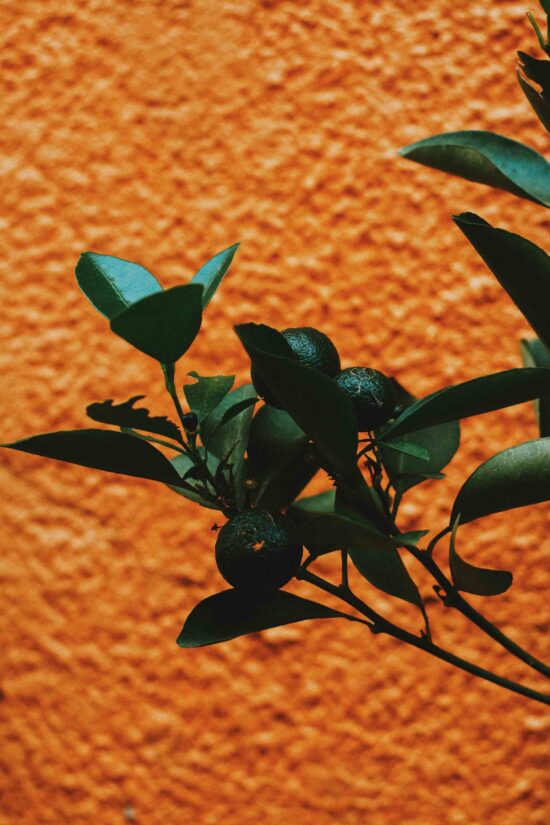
pixel 258 551
pixel 372 395
pixel 311 348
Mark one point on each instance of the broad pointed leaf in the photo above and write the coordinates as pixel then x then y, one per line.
pixel 113 284
pixel 513 478
pixel 102 450
pixel 480 395
pixel 135 418
pixel 234 613
pixel 373 553
pixel 280 458
pixel 320 408
pixel 231 436
pixel 540 105
pixel 485 157
pixel 521 267
pixel 163 325
pixel 206 393
pixel 469 578
pixel 535 354
pixel 441 443
pixel 211 274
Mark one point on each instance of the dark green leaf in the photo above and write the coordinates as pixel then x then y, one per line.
pixel 163 325
pixel 538 71
pixel 373 553
pixel 237 409
pixel 408 448
pixel 231 437
pixel 126 415
pixel 210 275
pixel 281 458
pixel 206 393
pixel 522 268
pixel 535 354
pixel 234 613
pixel 311 506
pixel 113 284
pixel 513 478
pixel 441 443
pixel 319 407
pixel 540 105
pixel 478 580
pixel 102 450
pixel 184 466
pixel 411 538
pixel 480 395
pixel 486 158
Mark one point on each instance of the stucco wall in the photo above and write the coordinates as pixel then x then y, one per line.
pixel 162 131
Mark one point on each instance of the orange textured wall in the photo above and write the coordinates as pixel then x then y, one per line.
pixel 162 131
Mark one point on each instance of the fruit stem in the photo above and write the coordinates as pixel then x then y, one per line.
pixel 378 624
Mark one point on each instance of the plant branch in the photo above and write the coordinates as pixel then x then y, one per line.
pixel 378 624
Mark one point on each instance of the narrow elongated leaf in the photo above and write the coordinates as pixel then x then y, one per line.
pixel 373 553
pixel 237 409
pixel 135 418
pixel 232 436
pixel 206 393
pixel 472 579
pixel 113 284
pixel 408 448
pixel 311 506
pixel 480 395
pixel 540 105
pixel 211 274
pixel 102 450
pixel 513 478
pixel 234 613
pixel 320 408
pixel 535 354
pixel 440 442
pixel 280 458
pixel 184 466
pixel 410 539
pixel 163 325
pixel 485 157
pixel 521 267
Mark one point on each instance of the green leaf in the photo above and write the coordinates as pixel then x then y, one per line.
pixel 538 71
pixel 102 450
pixel 540 106
pixel 237 409
pixel 535 354
pixel 126 415
pixel 211 274
pixel 480 395
pixel 163 325
pixel 234 613
pixel 310 506
pixel 521 267
pixel 410 539
pixel 471 579
pixel 408 448
pixel 513 478
pixel 113 284
pixel 280 458
pixel 374 554
pixel 317 405
pixel 485 157
pixel 184 465
pixel 441 443
pixel 232 436
pixel 206 393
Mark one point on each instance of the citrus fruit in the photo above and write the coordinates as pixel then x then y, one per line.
pixel 258 551
pixel 311 348
pixel 372 395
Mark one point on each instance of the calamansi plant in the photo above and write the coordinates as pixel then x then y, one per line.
pixel 248 452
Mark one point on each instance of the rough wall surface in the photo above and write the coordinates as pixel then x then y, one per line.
pixel 162 131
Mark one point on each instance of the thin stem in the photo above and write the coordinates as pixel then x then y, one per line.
pixel 454 599
pixel 378 624
pixel 345 576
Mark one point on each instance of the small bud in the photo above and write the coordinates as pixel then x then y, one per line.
pixel 190 422
pixel 251 483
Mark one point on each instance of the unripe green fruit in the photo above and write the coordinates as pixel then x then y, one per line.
pixel 372 395
pixel 256 550
pixel 311 348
